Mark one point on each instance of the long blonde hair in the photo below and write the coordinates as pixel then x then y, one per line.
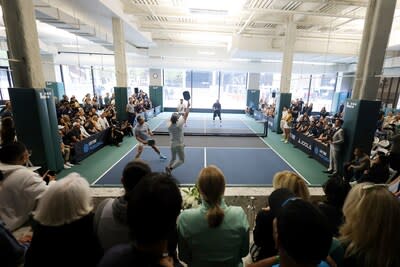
pixel 293 182
pixel 65 201
pixel 371 228
pixel 211 183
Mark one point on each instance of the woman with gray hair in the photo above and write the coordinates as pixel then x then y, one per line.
pixel 64 233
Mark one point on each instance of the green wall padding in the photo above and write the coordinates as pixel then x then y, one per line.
pixel 121 99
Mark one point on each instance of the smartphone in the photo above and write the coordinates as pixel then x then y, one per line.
pixel 47 177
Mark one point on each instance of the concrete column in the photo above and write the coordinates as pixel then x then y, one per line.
pixel 377 27
pixel 48 68
pixel 253 81
pixel 23 44
pixel 119 50
pixel 287 63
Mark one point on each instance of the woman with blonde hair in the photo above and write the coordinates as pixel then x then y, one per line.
pixel 64 233
pixel 262 233
pixel 370 233
pixel 293 182
pixel 213 234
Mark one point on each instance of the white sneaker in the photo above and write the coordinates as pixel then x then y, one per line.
pixel 69 164
pixel 66 166
pixel 162 156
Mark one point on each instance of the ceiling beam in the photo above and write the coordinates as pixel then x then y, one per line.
pixel 306 13
pixel 338 2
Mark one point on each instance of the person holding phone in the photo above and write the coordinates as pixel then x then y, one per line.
pixel 144 135
pixel 21 187
pixel 175 130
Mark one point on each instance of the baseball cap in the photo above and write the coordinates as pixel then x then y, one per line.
pixel 278 198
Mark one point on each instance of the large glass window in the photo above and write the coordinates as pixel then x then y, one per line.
pixel 138 77
pixel 77 81
pixel 205 88
pixel 269 83
pixel 175 82
pixel 299 86
pixel 322 91
pixel 4 84
pixel 104 80
pixel 233 90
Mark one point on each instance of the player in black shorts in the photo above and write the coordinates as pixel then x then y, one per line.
pixel 217 111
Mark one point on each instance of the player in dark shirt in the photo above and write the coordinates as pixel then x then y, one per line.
pixel 217 111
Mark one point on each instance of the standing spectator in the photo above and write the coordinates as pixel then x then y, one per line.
pixel 130 109
pixel 153 208
pixel 7 132
pixel 64 234
pixel 335 147
pixel 20 187
pixel 107 99
pixel 214 234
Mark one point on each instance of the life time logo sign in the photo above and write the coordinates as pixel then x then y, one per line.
pixel 351 104
pixel 45 95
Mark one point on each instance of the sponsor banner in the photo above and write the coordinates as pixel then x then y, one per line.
pixel 157 110
pixel 321 153
pixel 293 137
pixel 271 123
pixel 305 143
pixel 90 145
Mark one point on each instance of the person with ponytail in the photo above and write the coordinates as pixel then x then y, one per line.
pixel 213 234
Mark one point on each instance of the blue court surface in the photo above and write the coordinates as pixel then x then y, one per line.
pixel 206 126
pixel 241 166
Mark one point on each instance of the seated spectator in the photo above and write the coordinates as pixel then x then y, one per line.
pixel 91 125
pixel 115 136
pixel 20 187
pixel 262 233
pixel 153 207
pixel 103 121
pixel 126 128
pixel 293 182
pixel 214 234
pixel 12 252
pixel 378 172
pixel 303 123
pixel 355 168
pixel 336 190
pixel 111 224
pixel 74 135
pixel 7 132
pixel 323 113
pixel 263 228
pixel 65 149
pixel 63 235
pixel 326 134
pixel 302 236
pixel 370 233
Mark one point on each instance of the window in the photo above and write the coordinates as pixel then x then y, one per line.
pixel 269 83
pixel 77 81
pixel 4 83
pixel 322 91
pixel 104 80
pixel 205 88
pixel 299 86
pixel 233 90
pixel 138 77
pixel 175 82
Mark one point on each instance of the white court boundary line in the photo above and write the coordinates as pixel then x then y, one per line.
pixel 277 153
pixel 205 157
pixel 129 151
pixel 112 166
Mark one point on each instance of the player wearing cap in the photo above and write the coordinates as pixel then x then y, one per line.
pixel 143 135
pixel 175 129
